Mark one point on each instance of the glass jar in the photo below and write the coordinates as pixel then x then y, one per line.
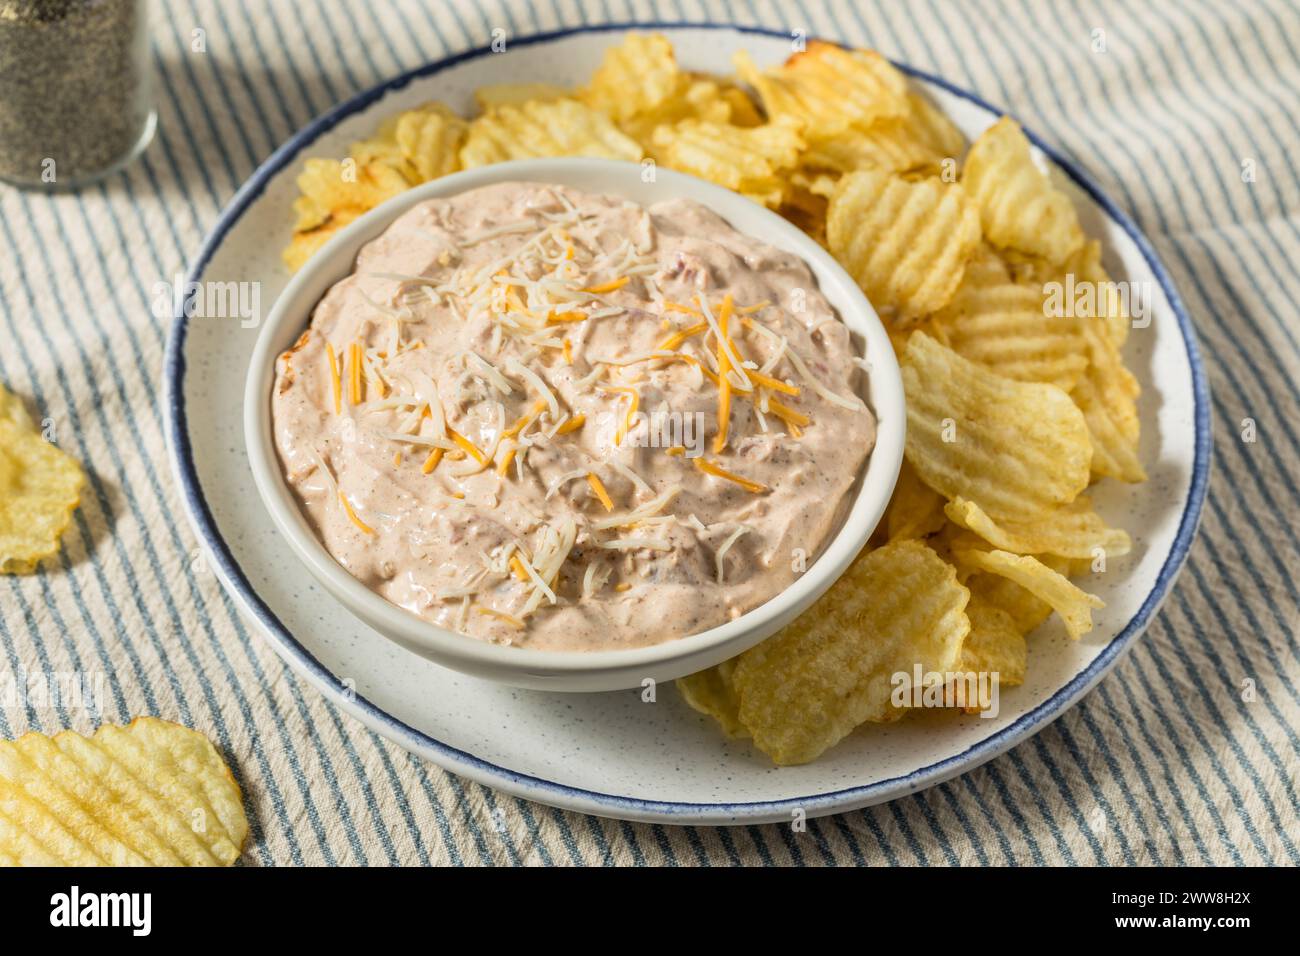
pixel 76 92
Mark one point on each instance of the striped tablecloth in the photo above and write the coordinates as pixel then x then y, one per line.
pixel 1186 753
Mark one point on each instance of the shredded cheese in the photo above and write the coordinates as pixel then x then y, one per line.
pixel 724 385
pixel 571 425
pixel 470 448
pixel 504 464
pixel 501 616
pixel 634 399
pixel 610 286
pixel 598 487
pixel 709 468
pixel 516 367
pixel 352 515
pixel 431 462
pixel 720 557
pixel 633 544
pixel 675 340
pixel 335 378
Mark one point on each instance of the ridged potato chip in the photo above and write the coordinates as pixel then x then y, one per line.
pixel 561 127
pixel 804 689
pixel 1018 449
pixel 746 159
pixel 516 94
pixel 886 145
pixel 329 185
pixel 40 487
pixel 1018 205
pixel 713 692
pixel 1004 325
pixel 915 510
pixel 1024 609
pixel 334 194
pixel 906 243
pixel 383 148
pixel 931 125
pixel 1074 530
pixel 743 111
pixel 153 793
pixel 1107 306
pixel 430 139
pixel 994 646
pixel 638 76
pixel 921 139
pixel 826 89
pixel 1066 599
pixel 1107 394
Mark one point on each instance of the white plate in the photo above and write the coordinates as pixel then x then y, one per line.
pixel 613 754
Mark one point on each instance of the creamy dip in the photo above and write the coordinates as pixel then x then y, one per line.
pixel 506 419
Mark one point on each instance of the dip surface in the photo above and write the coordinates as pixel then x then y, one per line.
pixel 506 419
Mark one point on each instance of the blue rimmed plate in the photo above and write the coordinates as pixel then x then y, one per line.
pixel 616 754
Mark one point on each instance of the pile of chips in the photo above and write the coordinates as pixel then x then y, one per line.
pixel 1012 411
pixel 149 794
pixel 40 487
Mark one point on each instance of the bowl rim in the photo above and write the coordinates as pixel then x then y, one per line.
pixel 336 259
pixel 304 662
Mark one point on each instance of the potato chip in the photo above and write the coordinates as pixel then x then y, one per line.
pixel 304 245
pixel 746 159
pixel 931 125
pixel 1025 610
pixel 40 487
pixel 826 89
pixel 1018 205
pixel 811 684
pixel 517 94
pixel 430 139
pixel 743 111
pixel 922 139
pixel 334 191
pixel 713 692
pixel 906 243
pixel 153 793
pixel 915 510
pixel 804 206
pixel 994 646
pixel 885 145
pixel 1004 326
pixel 1074 530
pixel 638 76
pixel 1107 394
pixel 562 127
pixel 1018 449
pixel 1104 302
pixel 1071 602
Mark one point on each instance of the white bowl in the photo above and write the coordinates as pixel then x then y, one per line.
pixel 599 670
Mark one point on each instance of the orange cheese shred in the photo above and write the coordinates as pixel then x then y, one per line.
pixel 335 378
pixel 598 487
pixel 610 286
pixel 467 445
pixel 709 468
pixel 572 425
pixel 724 383
pixel 352 515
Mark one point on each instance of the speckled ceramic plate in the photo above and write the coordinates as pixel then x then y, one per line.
pixel 614 754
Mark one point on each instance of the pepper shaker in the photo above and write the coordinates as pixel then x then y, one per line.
pixel 76 96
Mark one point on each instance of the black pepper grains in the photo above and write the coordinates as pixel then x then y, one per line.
pixel 75 92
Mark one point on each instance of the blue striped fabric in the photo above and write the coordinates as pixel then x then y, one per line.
pixel 1184 754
